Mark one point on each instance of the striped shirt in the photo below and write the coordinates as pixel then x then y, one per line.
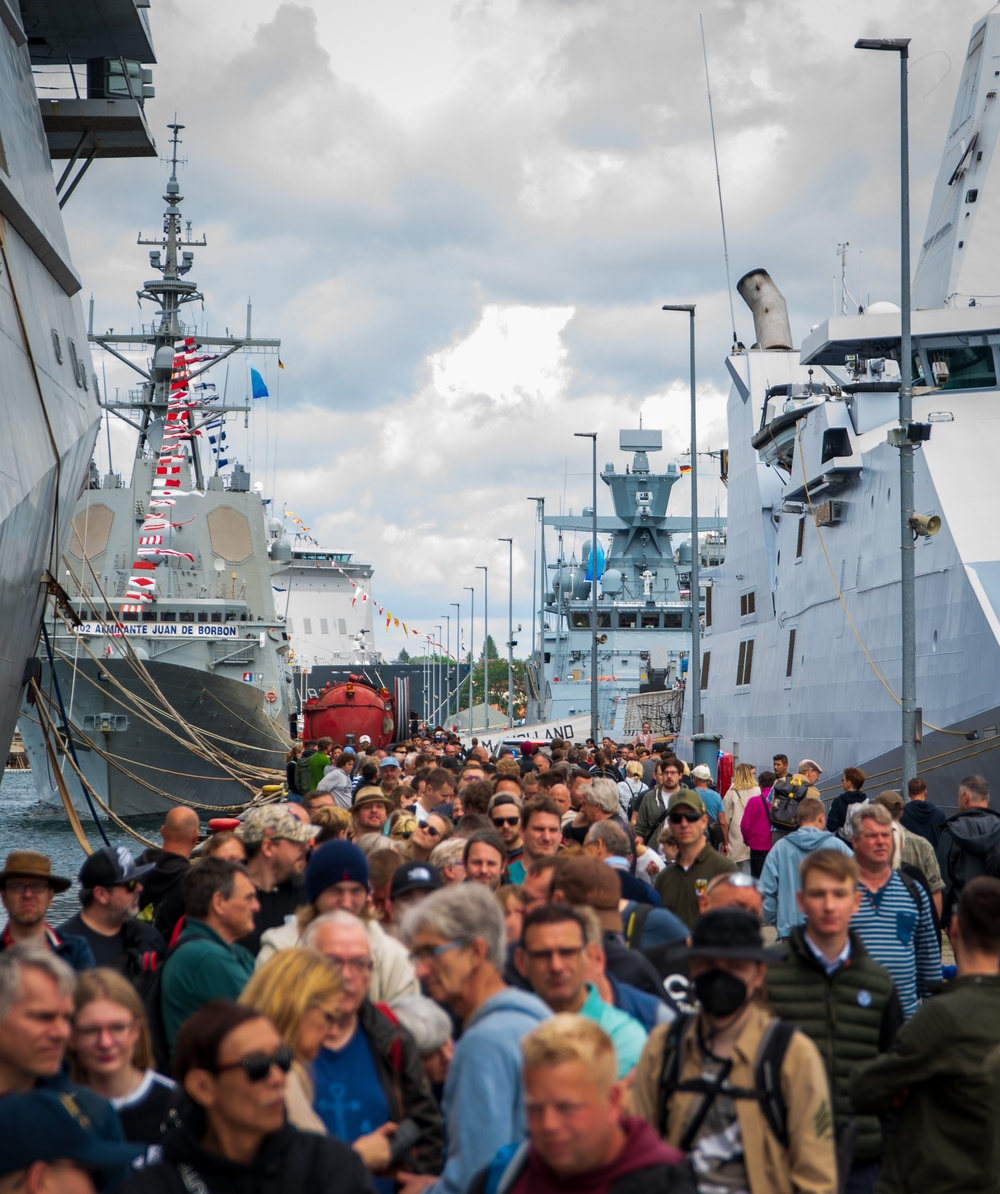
pixel 901 938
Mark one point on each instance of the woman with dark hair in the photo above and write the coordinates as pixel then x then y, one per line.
pixel 230 1131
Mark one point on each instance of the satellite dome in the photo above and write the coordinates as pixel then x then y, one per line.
pixel 882 308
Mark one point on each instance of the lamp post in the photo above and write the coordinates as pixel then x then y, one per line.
pixel 438 675
pixel 472 663
pixel 510 631
pixel 485 569
pixel 694 671
pixel 539 519
pixel 447 668
pixel 592 435
pixel 457 606
pixel 899 436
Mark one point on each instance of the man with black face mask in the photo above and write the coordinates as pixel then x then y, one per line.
pixel 744 1094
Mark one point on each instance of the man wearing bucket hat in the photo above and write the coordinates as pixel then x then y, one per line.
pixel 49 1145
pixel 27 888
pixel 370 809
pixel 744 1094
pixel 276 844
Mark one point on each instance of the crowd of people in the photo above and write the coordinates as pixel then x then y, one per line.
pixel 562 968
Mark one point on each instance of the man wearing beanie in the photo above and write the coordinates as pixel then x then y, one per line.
pixel 337 879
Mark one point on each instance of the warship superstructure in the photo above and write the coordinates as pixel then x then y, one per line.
pixel 802 644
pixel 49 416
pixel 644 604
pixel 170 676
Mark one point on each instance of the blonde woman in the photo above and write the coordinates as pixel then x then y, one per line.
pixel 630 789
pixel 112 1054
pixel 435 830
pixel 742 790
pixel 301 993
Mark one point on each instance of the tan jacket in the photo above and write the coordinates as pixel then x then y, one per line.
pixel 808 1166
pixel 299 1095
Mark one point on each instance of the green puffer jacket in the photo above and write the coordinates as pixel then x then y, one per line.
pixel 852 1015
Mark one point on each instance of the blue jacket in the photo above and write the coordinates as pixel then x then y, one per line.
pixel 483 1096
pixel 779 880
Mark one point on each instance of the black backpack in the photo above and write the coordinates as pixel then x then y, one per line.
pixel 784 806
pixel 149 985
pixel 766 1080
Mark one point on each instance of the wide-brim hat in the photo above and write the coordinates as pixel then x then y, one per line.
pixel 372 795
pixel 30 864
pixel 731 933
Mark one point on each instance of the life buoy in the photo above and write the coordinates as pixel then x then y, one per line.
pixel 270 695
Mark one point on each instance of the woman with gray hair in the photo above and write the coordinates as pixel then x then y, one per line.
pixel 430 1026
pixel 458 943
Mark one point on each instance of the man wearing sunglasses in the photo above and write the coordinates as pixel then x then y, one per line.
pixel 505 813
pixel 681 883
pixel 110 887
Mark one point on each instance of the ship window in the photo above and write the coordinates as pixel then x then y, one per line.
pixel 744 665
pixel 748 604
pixel 674 620
pixel 970 367
pixel 148 616
pixel 579 621
pixel 789 661
pixel 342 625
pixel 202 617
pixel 130 617
pixel 626 621
pixel 324 626
pixel 216 617
pixel 168 617
pixel 836 442
pixel 708 606
pixel 801 538
pixel 706 661
pixel 307 626
pixel 604 619
pixel 187 615
pixel 972 195
pixel 548 656
pixel 57 346
pixel 650 621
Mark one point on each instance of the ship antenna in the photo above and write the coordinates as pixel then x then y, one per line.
pixel 175 141
pixel 718 180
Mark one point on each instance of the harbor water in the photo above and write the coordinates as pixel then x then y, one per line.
pixel 27 824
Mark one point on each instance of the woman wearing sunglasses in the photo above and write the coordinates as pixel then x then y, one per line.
pixel 231 1131
pixel 435 830
pixel 301 993
pixel 112 1054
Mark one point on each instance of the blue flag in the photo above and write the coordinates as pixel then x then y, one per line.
pixel 257 383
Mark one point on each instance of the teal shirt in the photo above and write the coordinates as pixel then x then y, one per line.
pixel 627 1035
pixel 205 968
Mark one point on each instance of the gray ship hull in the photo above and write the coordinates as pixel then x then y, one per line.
pixel 129 759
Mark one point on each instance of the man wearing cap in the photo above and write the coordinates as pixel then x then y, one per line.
pixel 276 844
pixel 701 782
pixel 553 957
pixel 110 888
pixel 681 883
pixel 411 883
pixel 370 810
pixel 389 775
pixel 27 888
pixel 49 1145
pixel 697 1082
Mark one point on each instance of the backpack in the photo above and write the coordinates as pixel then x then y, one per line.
pixel 785 797
pixel 846 831
pixel 149 985
pixel 303 775
pixel 766 1081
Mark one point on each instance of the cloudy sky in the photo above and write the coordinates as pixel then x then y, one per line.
pixel 461 218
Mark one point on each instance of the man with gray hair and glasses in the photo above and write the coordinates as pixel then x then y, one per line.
pixel 36 1009
pixel 459 942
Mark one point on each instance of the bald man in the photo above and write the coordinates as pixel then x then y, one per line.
pixel 162 894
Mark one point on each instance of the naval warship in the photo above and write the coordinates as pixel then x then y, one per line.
pixel 168 674
pixel 644 604
pixel 802 643
pixel 49 415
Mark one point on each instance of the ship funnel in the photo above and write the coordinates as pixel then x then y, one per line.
pixel 770 315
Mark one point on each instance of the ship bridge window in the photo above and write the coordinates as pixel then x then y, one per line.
pixel 626 621
pixel 216 617
pixel 187 615
pixel 650 621
pixel 202 617
pixel 673 620
pixel 970 367
pixel 168 617
pixel 836 442
pixel 604 619
pixel 579 621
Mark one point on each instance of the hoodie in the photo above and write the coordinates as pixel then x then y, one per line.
pixel 779 880
pixel 923 818
pixel 840 807
pixel 968 846
pixel 483 1097
pixel 164 888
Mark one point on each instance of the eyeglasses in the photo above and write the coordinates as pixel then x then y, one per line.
pixel 564 954
pixel 91 1032
pixel 357 965
pixel 258 1065
pixel 22 887
pixel 427 953
pixel 498 821
pixel 676 818
pixel 734 879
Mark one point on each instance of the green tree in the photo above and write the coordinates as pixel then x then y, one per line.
pixel 404 656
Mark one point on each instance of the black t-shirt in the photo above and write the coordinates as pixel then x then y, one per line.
pixel 275 905
pixel 143 1111
pixel 107 950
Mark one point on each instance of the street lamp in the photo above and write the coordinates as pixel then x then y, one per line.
pixel 694 671
pixel 447 669
pixel 485 568
pixel 535 646
pixel 899 436
pixel 457 606
pixel 510 631
pixel 592 435
pixel 472 664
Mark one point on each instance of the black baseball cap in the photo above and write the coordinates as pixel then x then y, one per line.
pixel 730 933
pixel 111 866
pixel 415 876
pixel 50 1125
